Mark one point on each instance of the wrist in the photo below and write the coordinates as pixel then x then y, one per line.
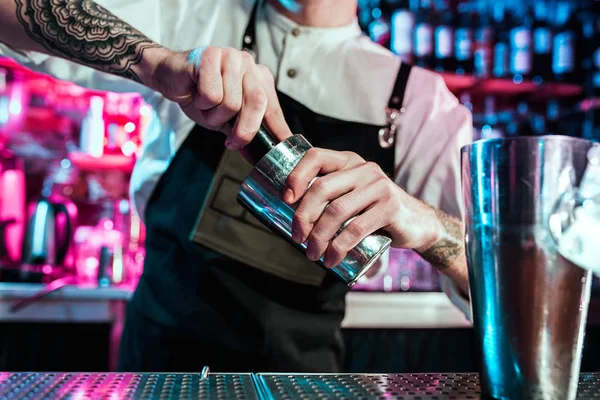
pixel 446 244
pixel 434 231
pixel 152 58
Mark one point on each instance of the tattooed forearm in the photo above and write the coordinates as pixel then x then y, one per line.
pixel 85 32
pixel 446 251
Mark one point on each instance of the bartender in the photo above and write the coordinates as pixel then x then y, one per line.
pixel 250 302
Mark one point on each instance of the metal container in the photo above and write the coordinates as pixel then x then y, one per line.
pixel 529 304
pixel 261 194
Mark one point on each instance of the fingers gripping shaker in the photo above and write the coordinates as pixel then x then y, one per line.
pixel 261 194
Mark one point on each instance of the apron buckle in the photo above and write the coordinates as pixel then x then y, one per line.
pixel 387 135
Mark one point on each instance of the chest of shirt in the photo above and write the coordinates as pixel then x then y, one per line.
pixel 343 76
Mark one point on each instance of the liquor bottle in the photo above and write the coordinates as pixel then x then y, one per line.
pixel 595 71
pixel 463 40
pixel 503 23
pixel 364 12
pixel 423 36
pixel 542 44
pixel 403 24
pixel 538 124
pixel 491 129
pixel 483 51
pixel 444 39
pixel 552 117
pixel 379 28
pixel 590 51
pixel 523 121
pixel 91 140
pixel 563 46
pixel 520 43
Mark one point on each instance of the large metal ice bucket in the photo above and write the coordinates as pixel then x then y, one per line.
pixel 529 304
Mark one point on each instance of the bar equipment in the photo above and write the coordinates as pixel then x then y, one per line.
pixel 575 222
pixel 529 304
pixel 262 191
pixel 49 232
pixel 12 204
pixel 209 385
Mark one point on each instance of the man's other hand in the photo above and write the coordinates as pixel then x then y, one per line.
pixel 214 84
pixel 347 186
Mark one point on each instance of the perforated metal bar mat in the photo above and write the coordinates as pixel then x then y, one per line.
pixel 105 386
pixel 403 387
pixel 110 386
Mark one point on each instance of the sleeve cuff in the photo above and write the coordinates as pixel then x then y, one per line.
pixel 24 57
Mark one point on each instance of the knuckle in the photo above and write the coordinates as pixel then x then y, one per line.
pixel 232 104
pixel 294 180
pixel 338 247
pixel 312 154
pixel 351 156
pixel 336 208
pixel 356 229
pixel 212 53
pixel 247 58
pixel 319 186
pixel 228 53
pixel 244 137
pixel 386 188
pixel 317 235
pixel 372 168
pixel 212 96
pixel 264 72
pixel 257 97
pixel 301 218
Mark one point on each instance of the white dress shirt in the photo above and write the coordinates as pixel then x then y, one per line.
pixel 339 72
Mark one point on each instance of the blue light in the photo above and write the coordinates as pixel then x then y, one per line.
pixel 291 5
pixel 518 78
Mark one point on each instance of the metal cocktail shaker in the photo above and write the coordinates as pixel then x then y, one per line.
pixel 529 304
pixel 262 191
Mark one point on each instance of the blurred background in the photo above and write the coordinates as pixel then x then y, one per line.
pixel 72 247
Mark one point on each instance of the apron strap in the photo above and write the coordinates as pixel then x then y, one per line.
pixel 387 134
pixel 397 98
pixel 249 38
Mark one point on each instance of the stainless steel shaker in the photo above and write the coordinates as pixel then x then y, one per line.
pixel 529 304
pixel 261 194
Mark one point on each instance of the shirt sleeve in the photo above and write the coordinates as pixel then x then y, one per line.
pixel 431 133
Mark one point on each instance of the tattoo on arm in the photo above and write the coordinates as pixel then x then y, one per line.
pixel 444 253
pixel 85 32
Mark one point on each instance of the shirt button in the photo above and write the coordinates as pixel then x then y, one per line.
pixel 292 72
pixel 296 32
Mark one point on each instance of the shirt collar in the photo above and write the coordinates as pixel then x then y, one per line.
pixel 351 30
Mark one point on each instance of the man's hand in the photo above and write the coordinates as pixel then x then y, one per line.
pixel 349 186
pixel 213 84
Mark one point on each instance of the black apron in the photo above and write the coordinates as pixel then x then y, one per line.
pixel 196 307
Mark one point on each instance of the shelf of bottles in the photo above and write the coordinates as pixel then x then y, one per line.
pixel 523 67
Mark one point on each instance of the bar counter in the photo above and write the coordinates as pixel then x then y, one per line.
pixel 80 386
pixel 89 303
